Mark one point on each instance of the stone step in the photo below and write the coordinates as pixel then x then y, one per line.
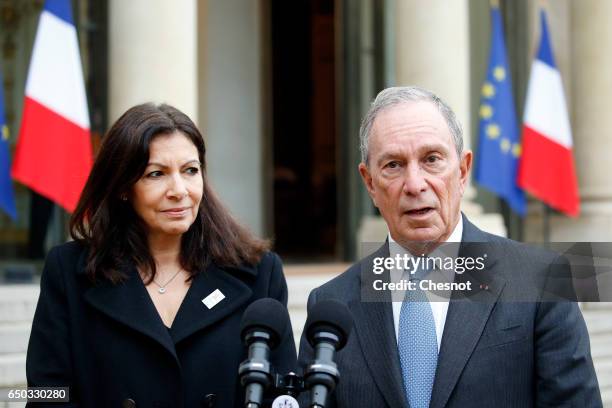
pixel 14 337
pixel 600 349
pixel 599 321
pixel 596 306
pixel 300 281
pixel 301 285
pixel 17 305
pixel 606 397
pixel 12 370
pixel 18 302
pixel 12 404
pixel 603 368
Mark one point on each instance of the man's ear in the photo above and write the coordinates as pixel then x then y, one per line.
pixel 367 180
pixel 465 165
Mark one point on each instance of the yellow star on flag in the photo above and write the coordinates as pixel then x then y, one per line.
pixel 488 90
pixel 493 131
pixel 516 150
pixel 499 73
pixel 5 132
pixel 505 145
pixel 486 111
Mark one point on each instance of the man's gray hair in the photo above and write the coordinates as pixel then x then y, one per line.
pixel 394 96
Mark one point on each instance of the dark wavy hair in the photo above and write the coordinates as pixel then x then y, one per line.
pixel 113 232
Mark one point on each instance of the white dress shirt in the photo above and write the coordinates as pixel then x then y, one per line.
pixel 439 304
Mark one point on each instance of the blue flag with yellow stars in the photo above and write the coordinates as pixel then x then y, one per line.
pixel 7 197
pixel 499 143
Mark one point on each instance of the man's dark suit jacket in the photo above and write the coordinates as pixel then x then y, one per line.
pixel 494 353
pixel 109 345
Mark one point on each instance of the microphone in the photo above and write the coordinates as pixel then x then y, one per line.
pixel 328 326
pixel 261 328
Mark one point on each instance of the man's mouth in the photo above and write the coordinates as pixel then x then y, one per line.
pixel 419 211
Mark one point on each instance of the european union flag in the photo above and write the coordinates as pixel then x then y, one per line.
pixel 7 197
pixel 499 146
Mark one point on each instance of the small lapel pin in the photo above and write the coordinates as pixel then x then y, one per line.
pixel 211 300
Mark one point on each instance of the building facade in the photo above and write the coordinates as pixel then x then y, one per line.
pixel 278 89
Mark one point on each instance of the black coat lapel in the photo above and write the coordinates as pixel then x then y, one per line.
pixel 194 315
pixel 467 315
pixel 129 303
pixel 375 331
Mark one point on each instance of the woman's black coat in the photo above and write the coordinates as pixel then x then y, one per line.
pixel 109 345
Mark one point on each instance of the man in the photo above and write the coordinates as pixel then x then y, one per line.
pixel 483 348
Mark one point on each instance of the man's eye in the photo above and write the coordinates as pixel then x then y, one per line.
pixel 432 159
pixel 392 165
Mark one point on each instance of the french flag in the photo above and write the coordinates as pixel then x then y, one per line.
pixel 53 155
pixel 546 168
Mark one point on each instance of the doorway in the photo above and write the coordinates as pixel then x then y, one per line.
pixel 304 127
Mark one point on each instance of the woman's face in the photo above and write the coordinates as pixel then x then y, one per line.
pixel 168 194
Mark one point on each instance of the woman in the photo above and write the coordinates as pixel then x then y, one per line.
pixel 143 308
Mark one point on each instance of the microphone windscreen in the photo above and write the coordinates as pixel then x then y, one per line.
pixel 265 314
pixel 331 316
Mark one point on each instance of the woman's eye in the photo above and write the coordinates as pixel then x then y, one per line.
pixel 155 174
pixel 193 170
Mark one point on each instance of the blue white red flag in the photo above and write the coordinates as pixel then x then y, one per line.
pixel 547 168
pixel 54 155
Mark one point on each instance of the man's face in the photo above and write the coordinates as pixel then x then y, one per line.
pixel 414 175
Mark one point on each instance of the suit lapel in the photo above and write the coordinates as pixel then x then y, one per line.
pixel 374 328
pixel 194 315
pixel 467 315
pixel 130 304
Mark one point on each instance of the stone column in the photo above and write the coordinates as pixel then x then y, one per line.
pixel 582 47
pixel 582 43
pixel 233 104
pixel 152 54
pixel 432 51
pixel 204 57
pixel 432 48
pixel 590 76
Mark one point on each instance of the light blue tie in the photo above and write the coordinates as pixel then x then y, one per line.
pixel 418 345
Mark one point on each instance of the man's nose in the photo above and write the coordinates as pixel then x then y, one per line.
pixel 414 180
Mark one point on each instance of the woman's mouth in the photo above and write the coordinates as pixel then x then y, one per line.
pixel 176 212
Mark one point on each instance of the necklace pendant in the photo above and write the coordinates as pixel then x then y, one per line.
pixel 161 290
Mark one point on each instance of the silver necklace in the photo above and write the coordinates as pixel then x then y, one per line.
pixel 162 288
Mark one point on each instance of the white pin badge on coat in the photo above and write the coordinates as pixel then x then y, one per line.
pixel 211 300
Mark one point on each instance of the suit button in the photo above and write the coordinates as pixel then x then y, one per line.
pixel 128 403
pixel 209 401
